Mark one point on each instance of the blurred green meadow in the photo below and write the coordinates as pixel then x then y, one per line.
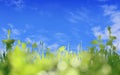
pixel 101 58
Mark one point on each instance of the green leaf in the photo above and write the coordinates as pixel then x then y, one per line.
pixel 94 42
pixel 92 49
pixel 109 43
pixel 19 42
pixel 99 37
pixel 113 38
pixel 109 29
pixel 114 48
pixel 34 45
pixel 23 45
pixel 9 32
pixel 62 48
pixel 101 46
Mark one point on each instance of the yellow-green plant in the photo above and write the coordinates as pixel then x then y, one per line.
pixel 100 59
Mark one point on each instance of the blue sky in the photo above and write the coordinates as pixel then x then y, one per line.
pixel 59 22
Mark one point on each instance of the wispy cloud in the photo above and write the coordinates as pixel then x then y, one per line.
pixel 97 31
pixel 15 31
pixel 103 0
pixel 37 36
pixel 53 46
pixel 18 4
pixel 114 14
pixel 4 30
pixel 76 32
pixel 76 17
pixel 61 37
pixel 29 40
pixel 79 15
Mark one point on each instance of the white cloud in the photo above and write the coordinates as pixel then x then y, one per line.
pixel 15 31
pixel 81 14
pixel 103 0
pixel 29 40
pixel 2 50
pixel 59 34
pixel 18 4
pixel 75 32
pixel 114 15
pixel 53 46
pixel 97 31
pixel 42 38
pixel 61 37
pixel 37 38
pixel 75 17
pixel 108 10
pixel 4 30
pixel 3 33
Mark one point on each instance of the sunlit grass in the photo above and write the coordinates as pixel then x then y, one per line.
pixel 100 59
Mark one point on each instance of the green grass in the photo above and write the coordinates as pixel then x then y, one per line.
pixel 100 59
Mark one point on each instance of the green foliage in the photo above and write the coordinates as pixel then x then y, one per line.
pixel 34 45
pixel 9 32
pixel 100 59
